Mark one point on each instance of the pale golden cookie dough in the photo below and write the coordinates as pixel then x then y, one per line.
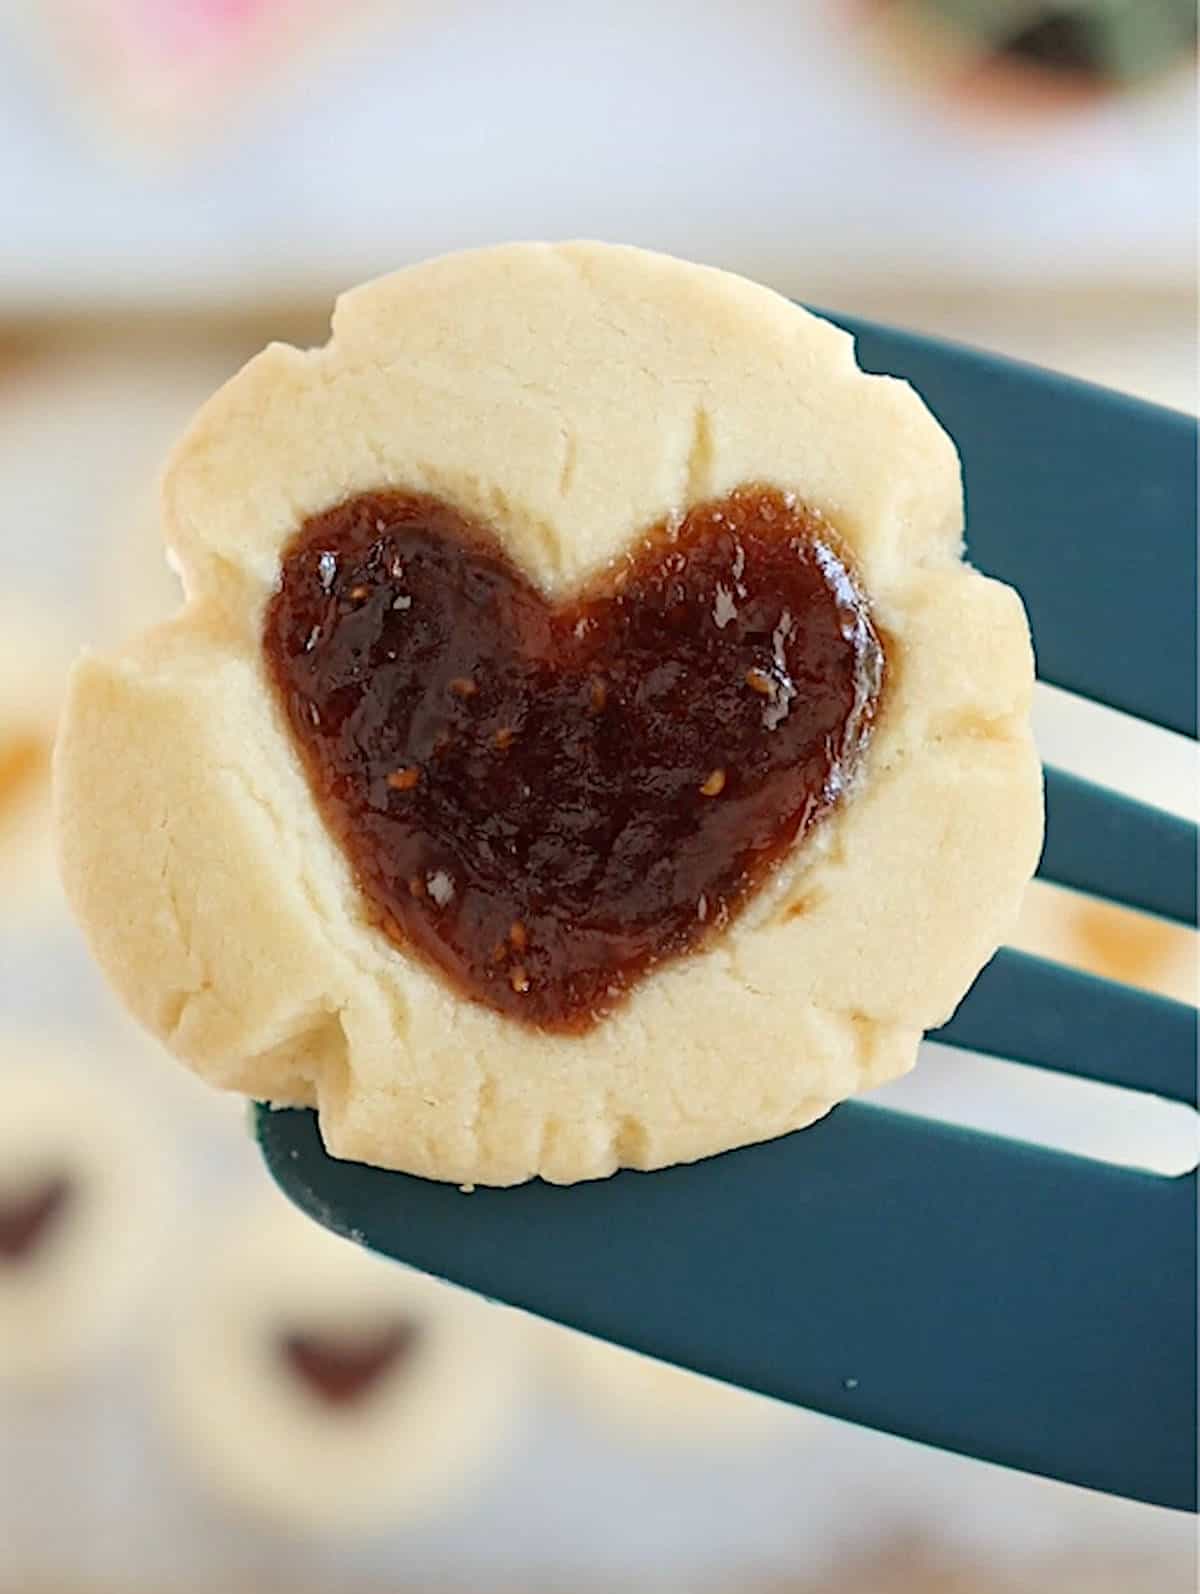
pixel 571 397
pixel 71 1299
pixel 425 1430
pixel 34 660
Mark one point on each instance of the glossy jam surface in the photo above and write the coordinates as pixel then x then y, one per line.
pixel 546 800
pixel 340 1372
pixel 28 1217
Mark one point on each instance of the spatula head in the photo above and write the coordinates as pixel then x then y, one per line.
pixel 983 1295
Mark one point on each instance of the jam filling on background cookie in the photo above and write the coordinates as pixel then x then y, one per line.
pixel 341 1370
pixel 545 800
pixel 27 1218
pixel 24 761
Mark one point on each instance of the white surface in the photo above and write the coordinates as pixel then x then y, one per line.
pixel 765 136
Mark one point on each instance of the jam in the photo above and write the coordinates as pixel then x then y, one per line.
pixel 544 801
pixel 340 1371
pixel 27 1220
pixel 24 761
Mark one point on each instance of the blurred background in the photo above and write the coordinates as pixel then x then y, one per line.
pixel 198 1392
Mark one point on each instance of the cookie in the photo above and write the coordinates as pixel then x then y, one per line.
pixel 1107 939
pixel 646 1399
pixel 85 1198
pixel 34 658
pixel 321 1386
pixel 1037 58
pixel 584 745
pixel 155 81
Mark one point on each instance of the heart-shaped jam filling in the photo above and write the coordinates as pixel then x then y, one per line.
pixel 546 800
pixel 28 1217
pixel 340 1370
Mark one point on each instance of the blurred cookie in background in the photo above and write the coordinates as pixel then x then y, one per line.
pixel 164 76
pixel 34 656
pixel 1107 939
pixel 86 1198
pixel 1138 761
pixel 154 392
pixel 911 1564
pixel 85 420
pixel 1035 55
pixel 655 1401
pixel 316 1384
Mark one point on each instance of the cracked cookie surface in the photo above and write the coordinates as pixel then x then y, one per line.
pixel 568 398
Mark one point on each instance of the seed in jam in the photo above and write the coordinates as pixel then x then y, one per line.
pixel 544 801
pixel 340 1370
pixel 27 1219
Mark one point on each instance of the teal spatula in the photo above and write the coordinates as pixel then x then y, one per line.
pixel 991 1297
